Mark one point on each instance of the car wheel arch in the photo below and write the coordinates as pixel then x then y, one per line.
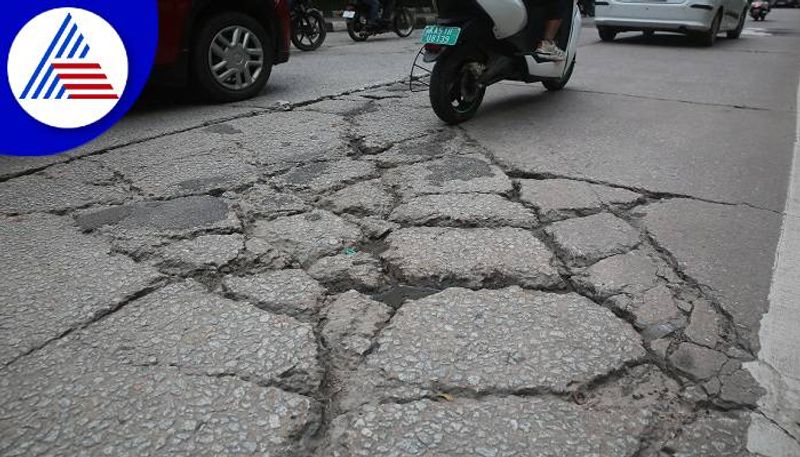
pixel 259 9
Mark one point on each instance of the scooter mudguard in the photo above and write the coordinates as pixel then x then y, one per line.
pixel 509 16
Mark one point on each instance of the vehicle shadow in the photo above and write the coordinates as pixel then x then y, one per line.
pixel 156 98
pixel 501 105
pixel 665 40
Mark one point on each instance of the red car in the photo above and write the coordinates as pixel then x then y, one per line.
pixel 224 48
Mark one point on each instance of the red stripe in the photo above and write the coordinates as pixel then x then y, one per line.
pixel 94 96
pixel 88 86
pixel 59 66
pixel 82 76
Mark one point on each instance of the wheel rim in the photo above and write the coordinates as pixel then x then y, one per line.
pixel 236 58
pixel 465 92
pixel 307 31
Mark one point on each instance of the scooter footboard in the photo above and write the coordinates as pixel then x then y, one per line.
pixel 568 41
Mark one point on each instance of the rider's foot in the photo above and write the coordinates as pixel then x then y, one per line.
pixel 548 50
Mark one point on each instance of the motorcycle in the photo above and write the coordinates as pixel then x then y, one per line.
pixel 308 26
pixel 759 10
pixel 476 43
pixel 356 12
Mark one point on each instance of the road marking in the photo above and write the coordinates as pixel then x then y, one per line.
pixel 778 366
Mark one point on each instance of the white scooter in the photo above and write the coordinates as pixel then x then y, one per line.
pixel 477 43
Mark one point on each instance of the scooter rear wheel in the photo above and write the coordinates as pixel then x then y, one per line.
pixel 454 93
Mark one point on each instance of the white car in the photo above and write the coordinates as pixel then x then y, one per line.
pixel 704 19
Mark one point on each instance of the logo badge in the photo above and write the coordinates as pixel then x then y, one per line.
pixel 67 68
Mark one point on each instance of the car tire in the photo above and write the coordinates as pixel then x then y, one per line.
pixel 648 34
pixel 735 33
pixel 607 34
pixel 210 82
pixel 708 38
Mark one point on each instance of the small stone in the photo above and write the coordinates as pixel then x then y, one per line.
pixel 631 273
pixel 470 257
pixel 463 210
pixel 367 198
pixel 340 272
pixel 351 322
pixel 556 199
pixel 586 240
pixel 712 386
pixel 308 237
pixel 657 306
pixel 697 361
pixel 740 388
pixel 703 327
pixel 660 347
pixel 695 393
pixel 291 292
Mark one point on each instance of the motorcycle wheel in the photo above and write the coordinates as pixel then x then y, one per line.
pixel 558 84
pixel 355 29
pixel 403 22
pixel 454 93
pixel 308 31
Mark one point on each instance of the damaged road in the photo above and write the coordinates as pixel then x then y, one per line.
pixel 345 276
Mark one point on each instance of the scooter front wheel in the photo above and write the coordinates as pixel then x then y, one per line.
pixel 454 90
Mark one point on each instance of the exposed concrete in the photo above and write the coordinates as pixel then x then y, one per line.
pixel 778 366
pixel 722 247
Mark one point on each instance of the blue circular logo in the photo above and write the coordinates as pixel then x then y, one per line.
pixel 73 69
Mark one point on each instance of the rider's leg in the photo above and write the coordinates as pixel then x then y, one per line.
pixel 547 49
pixel 551 29
pixel 374 6
pixel 388 9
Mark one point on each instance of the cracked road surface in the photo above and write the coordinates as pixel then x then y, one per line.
pixel 571 274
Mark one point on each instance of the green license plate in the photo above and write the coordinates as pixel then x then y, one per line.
pixel 436 34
